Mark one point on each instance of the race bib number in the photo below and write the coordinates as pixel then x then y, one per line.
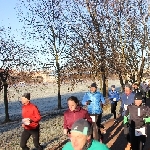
pixel 26 121
pixel 140 131
pixel 93 118
pixel 114 99
pixel 125 106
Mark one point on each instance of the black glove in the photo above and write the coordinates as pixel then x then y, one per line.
pixel 88 102
pixel 31 121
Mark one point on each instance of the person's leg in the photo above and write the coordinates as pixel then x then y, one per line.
pixel 142 140
pixel 99 125
pixel 24 138
pixel 35 134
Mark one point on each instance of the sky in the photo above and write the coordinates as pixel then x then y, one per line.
pixel 8 17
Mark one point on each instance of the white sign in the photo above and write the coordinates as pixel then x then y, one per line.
pixel 125 106
pixel 93 118
pixel 140 131
pixel 26 121
pixel 114 99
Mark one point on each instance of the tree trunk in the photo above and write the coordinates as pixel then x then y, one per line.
pixel 6 102
pixel 104 85
pixel 139 76
pixel 121 81
pixel 58 82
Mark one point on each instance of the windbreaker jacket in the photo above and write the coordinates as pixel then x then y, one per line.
pixel 96 100
pixel 112 95
pixel 32 112
pixel 126 100
pixel 71 116
pixel 96 145
pixel 136 115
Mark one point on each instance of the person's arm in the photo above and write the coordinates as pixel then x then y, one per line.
pixel 147 119
pixel 85 99
pixel 118 96
pixel 102 99
pixel 87 116
pixel 36 117
pixel 65 124
pixel 121 107
pixel 125 120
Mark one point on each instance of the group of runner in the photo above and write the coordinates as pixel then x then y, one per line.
pixel 79 123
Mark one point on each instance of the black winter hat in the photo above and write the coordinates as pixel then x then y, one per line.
pixel 82 126
pixel 113 86
pixel 26 95
pixel 138 96
pixel 94 85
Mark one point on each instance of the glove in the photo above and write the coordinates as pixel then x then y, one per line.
pixel 31 120
pixel 147 120
pixel 88 102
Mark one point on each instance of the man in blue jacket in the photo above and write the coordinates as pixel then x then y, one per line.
pixel 127 98
pixel 113 96
pixel 94 101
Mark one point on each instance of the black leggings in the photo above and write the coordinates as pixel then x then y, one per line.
pixel 137 142
pixel 99 125
pixel 113 108
pixel 26 135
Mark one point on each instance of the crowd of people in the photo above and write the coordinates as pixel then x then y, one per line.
pixel 83 127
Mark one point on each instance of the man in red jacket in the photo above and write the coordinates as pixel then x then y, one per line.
pixel 30 122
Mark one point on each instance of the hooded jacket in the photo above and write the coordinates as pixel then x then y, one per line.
pixel 31 111
pixel 71 116
pixel 96 100
pixel 112 95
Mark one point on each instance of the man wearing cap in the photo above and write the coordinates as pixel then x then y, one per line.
pixel 81 138
pixel 127 98
pixel 30 122
pixel 136 118
pixel 137 89
pixel 113 96
pixel 94 101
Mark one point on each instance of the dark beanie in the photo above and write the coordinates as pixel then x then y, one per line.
pixel 26 95
pixel 113 86
pixel 94 85
pixel 138 96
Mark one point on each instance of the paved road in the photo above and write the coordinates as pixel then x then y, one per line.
pixel 114 138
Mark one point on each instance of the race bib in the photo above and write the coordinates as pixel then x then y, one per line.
pixel 93 118
pixel 114 99
pixel 26 121
pixel 125 106
pixel 140 131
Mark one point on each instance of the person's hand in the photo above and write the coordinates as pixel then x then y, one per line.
pixel 23 125
pixel 88 102
pixel 65 131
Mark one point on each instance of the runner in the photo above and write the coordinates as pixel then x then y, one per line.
pixel 136 117
pixel 81 138
pixel 30 122
pixel 127 98
pixel 74 113
pixel 114 97
pixel 94 101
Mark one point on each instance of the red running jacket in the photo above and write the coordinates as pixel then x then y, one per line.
pixel 71 116
pixel 31 111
